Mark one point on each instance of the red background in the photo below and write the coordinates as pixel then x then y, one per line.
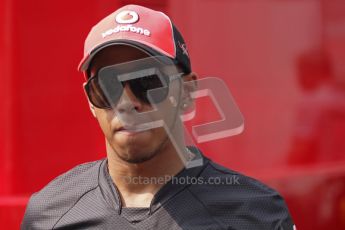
pixel 282 60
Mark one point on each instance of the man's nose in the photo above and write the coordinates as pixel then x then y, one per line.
pixel 128 101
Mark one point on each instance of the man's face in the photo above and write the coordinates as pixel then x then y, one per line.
pixel 129 145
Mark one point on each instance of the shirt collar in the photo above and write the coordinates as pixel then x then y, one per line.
pixel 178 183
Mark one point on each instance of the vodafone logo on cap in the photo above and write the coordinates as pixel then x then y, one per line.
pixel 127 17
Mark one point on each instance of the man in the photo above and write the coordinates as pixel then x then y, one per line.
pixel 139 83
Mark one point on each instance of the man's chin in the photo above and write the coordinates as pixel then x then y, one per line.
pixel 136 154
pixel 137 159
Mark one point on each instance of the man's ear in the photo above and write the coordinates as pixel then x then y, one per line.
pixel 92 108
pixel 189 86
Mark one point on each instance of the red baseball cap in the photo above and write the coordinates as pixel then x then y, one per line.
pixel 141 27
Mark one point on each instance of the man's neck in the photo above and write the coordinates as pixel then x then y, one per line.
pixel 139 182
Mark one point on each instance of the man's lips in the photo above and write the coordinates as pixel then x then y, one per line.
pixel 129 130
pixel 126 129
pixel 134 128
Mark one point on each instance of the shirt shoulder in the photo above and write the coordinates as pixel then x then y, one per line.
pixel 239 201
pixel 48 205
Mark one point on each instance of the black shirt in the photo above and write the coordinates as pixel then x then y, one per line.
pixel 205 197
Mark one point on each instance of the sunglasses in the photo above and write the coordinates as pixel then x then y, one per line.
pixel 150 84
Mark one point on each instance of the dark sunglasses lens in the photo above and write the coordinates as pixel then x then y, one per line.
pixel 111 88
pixel 96 95
pixel 104 92
pixel 141 87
